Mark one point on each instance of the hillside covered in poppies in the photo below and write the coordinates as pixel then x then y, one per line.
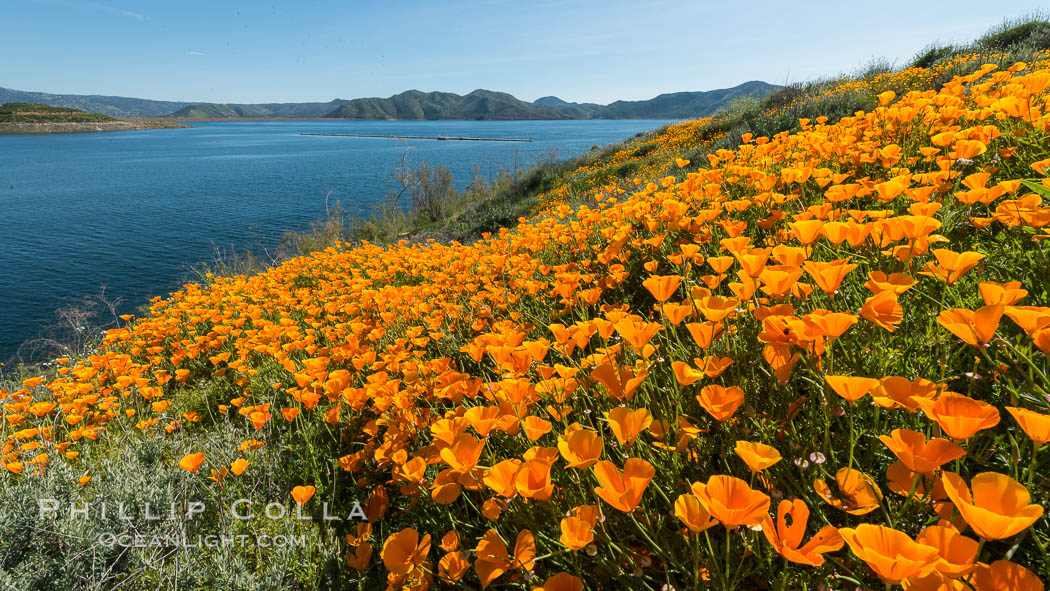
pixel 802 344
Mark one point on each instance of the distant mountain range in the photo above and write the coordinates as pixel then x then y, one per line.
pixel 412 104
pixel 114 106
pixel 485 104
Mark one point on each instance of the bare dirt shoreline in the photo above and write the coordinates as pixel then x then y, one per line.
pixel 88 126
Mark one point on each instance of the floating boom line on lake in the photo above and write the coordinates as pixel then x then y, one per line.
pixel 426 137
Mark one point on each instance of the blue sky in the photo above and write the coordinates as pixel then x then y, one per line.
pixel 593 51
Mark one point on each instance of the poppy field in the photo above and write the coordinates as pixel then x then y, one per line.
pixel 815 360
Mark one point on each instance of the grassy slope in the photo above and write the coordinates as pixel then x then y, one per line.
pixel 397 362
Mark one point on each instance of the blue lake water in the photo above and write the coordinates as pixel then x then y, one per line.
pixel 133 211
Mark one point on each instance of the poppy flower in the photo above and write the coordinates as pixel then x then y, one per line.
pixel 575 533
pixel 857 492
pixel 361 556
pixel 828 276
pixel 404 551
pixel 717 309
pixel 897 283
pixel 627 423
pixel 662 287
pixel 1036 426
pixel 899 392
pixel 562 581
pixel 493 559
pixel 889 552
pixel 998 507
pixel 239 466
pixel 883 310
pixel 1003 575
pixel 463 454
pixel 192 462
pixel 851 388
pixel 950 266
pixel 720 402
pixel 453 566
pixel 1008 293
pixel 689 510
pixel 958 553
pixel 918 454
pixel 757 456
pixel 786 538
pixel 685 373
pixel 535 427
pixel 533 480
pixel 623 490
pixel 975 328
pixel 731 501
pixel 302 494
pixel 704 333
pixel 450 541
pixel 959 416
pixel 581 447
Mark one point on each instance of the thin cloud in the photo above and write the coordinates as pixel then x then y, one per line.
pixel 97 6
pixel 192 52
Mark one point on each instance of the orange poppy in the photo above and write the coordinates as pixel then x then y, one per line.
pixel 757 456
pixel 576 533
pixel 731 501
pixel 1036 426
pixel 623 490
pixel 950 266
pixel 828 276
pixel 627 423
pixel 959 416
pixel 239 466
pixel 404 551
pixel 463 454
pixel 302 494
pixel 1003 575
pixel 976 328
pixel 883 310
pixel 851 388
pixel 857 492
pixel 561 582
pixel 361 557
pixel 450 541
pixel 958 553
pixel 533 480
pixel 453 566
pixel 685 373
pixel 889 552
pixel 662 287
pixel 998 507
pixel 918 454
pixel 720 402
pixel 493 559
pixel 192 462
pixel 580 447
pixel 689 510
pixel 787 539
pixel 1008 293
pixel 535 427
pixel 896 391
pixel 897 283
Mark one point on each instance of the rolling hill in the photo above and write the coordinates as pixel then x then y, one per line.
pixel 488 105
pixel 114 106
pixel 412 104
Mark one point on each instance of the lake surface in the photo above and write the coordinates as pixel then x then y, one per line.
pixel 133 211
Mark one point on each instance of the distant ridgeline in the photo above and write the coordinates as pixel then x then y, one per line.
pixel 39 113
pixel 412 104
pixel 488 105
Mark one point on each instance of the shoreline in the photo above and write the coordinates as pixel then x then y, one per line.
pixel 20 128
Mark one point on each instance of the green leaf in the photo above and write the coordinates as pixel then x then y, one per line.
pixel 1037 188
